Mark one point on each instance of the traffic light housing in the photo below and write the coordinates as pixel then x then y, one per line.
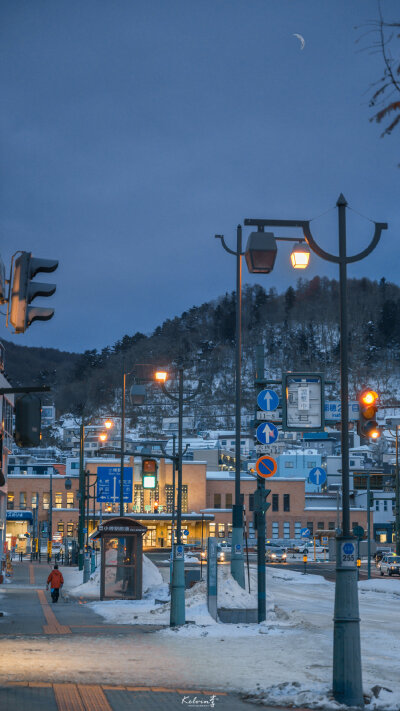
pixel 149 473
pixel 368 427
pixel 28 411
pixel 261 505
pixel 155 506
pixel 23 291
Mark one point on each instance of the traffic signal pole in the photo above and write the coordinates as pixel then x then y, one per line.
pixel 81 494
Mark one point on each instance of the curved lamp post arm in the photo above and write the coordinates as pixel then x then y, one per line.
pixel 226 248
pixel 379 226
pixel 187 398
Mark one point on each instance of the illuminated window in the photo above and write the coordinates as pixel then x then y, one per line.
pixel 138 500
pixel 221 530
pixel 46 500
pixel 211 529
pixel 35 501
pixel 58 501
pixel 70 499
pixel 10 500
pixel 184 498
pixel 70 530
pixel 60 527
pixel 169 497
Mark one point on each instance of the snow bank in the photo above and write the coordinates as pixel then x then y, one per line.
pixel 74 586
pixel 389 586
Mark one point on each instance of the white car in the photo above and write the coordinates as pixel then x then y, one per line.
pixel 390 564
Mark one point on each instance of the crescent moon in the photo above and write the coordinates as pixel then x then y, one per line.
pixel 301 38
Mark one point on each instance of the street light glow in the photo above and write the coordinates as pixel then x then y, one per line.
pixel 103 436
pixel 161 376
pixel 300 256
pixel 108 424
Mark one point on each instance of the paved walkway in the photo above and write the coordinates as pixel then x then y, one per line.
pixel 32 625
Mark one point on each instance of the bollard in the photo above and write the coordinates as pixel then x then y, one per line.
pixel 305 564
pixel 92 562
pixel 86 568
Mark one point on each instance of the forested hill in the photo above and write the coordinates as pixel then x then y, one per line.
pixel 299 329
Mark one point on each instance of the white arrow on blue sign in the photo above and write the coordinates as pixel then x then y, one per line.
pixel 317 476
pixel 186 532
pixel 267 400
pixel 267 433
pixel 305 533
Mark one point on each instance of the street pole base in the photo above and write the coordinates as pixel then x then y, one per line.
pixel 177 614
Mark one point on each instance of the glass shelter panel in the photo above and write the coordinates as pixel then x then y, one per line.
pixel 120 567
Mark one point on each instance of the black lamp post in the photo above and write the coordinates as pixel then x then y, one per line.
pixel 347 677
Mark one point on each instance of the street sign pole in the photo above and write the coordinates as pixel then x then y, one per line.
pixel 261 535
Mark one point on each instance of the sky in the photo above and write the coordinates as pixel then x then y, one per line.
pixel 133 131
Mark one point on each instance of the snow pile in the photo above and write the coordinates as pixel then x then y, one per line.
pixel 381 585
pixel 231 595
pixel 74 586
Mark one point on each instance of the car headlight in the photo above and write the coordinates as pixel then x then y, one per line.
pixel 222 556
pixel 284 556
pixel 273 555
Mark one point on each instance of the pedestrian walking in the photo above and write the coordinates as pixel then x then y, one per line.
pixel 56 581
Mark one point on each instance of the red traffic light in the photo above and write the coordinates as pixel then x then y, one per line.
pixel 155 507
pixel 368 402
pixel 149 466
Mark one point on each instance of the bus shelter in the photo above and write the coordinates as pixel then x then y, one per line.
pixel 121 541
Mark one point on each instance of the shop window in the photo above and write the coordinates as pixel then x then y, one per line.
pixel 22 500
pixel 275 502
pixel 70 499
pixel 286 502
pixel 217 501
pixel 228 501
pixel 10 500
pixel 58 500
pixel 46 500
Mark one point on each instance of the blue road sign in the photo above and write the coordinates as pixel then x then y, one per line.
pixel 305 533
pixel 186 532
pixel 317 476
pixel 267 400
pixel 348 548
pixel 267 433
pixel 266 466
pixel 179 551
pixel 108 484
pixel 85 530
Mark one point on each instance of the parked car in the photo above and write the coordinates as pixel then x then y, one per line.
pixel 390 564
pixel 276 555
pixel 379 553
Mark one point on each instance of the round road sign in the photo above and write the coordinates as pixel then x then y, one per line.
pixel 266 466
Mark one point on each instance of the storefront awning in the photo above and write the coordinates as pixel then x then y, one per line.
pixel 20 516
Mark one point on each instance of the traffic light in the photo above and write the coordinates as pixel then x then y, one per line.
pixel 27 421
pixel 367 424
pixel 24 290
pixel 261 505
pixel 155 507
pixel 149 473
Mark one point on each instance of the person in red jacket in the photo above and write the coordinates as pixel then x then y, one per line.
pixel 56 581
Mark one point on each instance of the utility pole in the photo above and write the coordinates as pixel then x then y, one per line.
pixel 81 493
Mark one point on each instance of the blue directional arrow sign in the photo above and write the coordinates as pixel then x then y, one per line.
pixel 267 400
pixel 305 533
pixel 267 433
pixel 317 476
pixel 108 484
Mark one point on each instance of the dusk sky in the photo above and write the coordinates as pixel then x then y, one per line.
pixel 132 131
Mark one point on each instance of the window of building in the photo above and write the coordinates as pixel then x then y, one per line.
pixel 331 525
pixel 70 530
pixel 251 502
pixel 74 465
pixel 35 501
pixel 22 500
pixel 320 525
pixel 376 504
pixel 385 506
pixel 286 529
pixel 138 500
pixel 289 465
pixel 10 500
pixel 184 498
pixel 229 530
pixel 60 527
pixel 275 502
pixel 310 526
pixel 286 502
pixel 297 529
pixel 211 529
pixel 393 503
pixel 275 529
pixel 70 499
pixel 311 465
pixel 228 501
pixel 223 442
pixel 58 500
pixel 221 530
pixel 217 501
pixel 352 463
pixel 46 500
